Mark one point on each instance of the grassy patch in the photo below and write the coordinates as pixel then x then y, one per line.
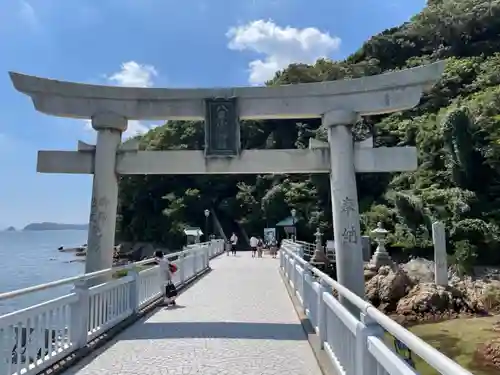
pixel 458 339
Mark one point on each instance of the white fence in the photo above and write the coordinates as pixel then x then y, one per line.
pixel 34 338
pixel 355 344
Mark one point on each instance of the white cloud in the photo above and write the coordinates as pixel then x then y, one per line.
pixel 134 128
pixel 280 46
pixel 28 14
pixel 132 74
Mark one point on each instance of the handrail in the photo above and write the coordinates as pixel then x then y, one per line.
pixel 432 356
pixel 36 337
pixel 84 277
pixel 343 291
pixel 309 248
pixel 302 242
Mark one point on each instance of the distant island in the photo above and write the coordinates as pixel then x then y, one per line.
pixel 10 229
pixel 54 226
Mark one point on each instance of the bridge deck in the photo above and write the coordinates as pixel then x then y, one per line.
pixel 238 319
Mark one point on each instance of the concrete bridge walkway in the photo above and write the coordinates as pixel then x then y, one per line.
pixel 238 319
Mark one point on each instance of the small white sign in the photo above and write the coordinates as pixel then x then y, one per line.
pixel 330 245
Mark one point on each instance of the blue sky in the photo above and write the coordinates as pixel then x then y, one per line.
pixel 190 43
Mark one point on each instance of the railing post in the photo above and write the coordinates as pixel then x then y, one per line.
pixel 365 364
pixel 8 341
pixel 80 314
pixel 199 261
pixel 134 297
pixel 195 262
pixel 180 264
pixel 289 267
pixel 322 314
pixel 301 283
pixel 296 277
pixel 306 281
pixel 161 281
pixel 193 255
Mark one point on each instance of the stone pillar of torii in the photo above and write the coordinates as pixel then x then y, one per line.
pixel 338 103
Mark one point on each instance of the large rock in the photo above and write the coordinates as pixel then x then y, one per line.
pixel 370 270
pixel 387 287
pixel 428 298
pixel 409 291
pixel 466 296
pixel 420 270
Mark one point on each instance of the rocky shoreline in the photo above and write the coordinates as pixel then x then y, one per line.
pixel 408 293
pixel 123 253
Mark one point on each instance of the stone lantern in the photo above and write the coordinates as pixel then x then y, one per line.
pixel 319 259
pixel 381 256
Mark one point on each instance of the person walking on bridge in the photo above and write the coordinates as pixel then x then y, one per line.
pixel 166 271
pixel 260 247
pixel 234 242
pixel 273 248
pixel 254 242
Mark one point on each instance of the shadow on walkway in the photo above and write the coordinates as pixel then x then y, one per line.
pixel 224 330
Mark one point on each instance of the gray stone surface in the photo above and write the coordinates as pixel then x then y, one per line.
pixel 440 256
pixel 238 319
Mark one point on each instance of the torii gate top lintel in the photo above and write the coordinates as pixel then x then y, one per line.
pixel 376 94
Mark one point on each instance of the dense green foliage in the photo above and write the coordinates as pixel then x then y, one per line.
pixel 456 129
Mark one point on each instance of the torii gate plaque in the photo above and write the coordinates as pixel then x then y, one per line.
pixel 338 103
pixel 222 128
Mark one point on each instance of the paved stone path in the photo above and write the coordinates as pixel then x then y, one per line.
pixel 238 319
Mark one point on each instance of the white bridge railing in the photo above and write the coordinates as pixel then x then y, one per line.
pixel 306 250
pixel 354 344
pixel 34 338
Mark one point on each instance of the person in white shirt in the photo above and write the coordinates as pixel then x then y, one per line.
pixel 169 289
pixel 234 242
pixel 254 242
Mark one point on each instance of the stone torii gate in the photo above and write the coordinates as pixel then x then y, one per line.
pixel 338 103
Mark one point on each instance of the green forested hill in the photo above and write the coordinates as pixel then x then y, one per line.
pixel 456 129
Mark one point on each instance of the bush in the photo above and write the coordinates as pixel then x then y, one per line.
pixel 491 298
pixel 465 256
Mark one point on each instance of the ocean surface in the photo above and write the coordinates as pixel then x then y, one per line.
pixel 31 258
